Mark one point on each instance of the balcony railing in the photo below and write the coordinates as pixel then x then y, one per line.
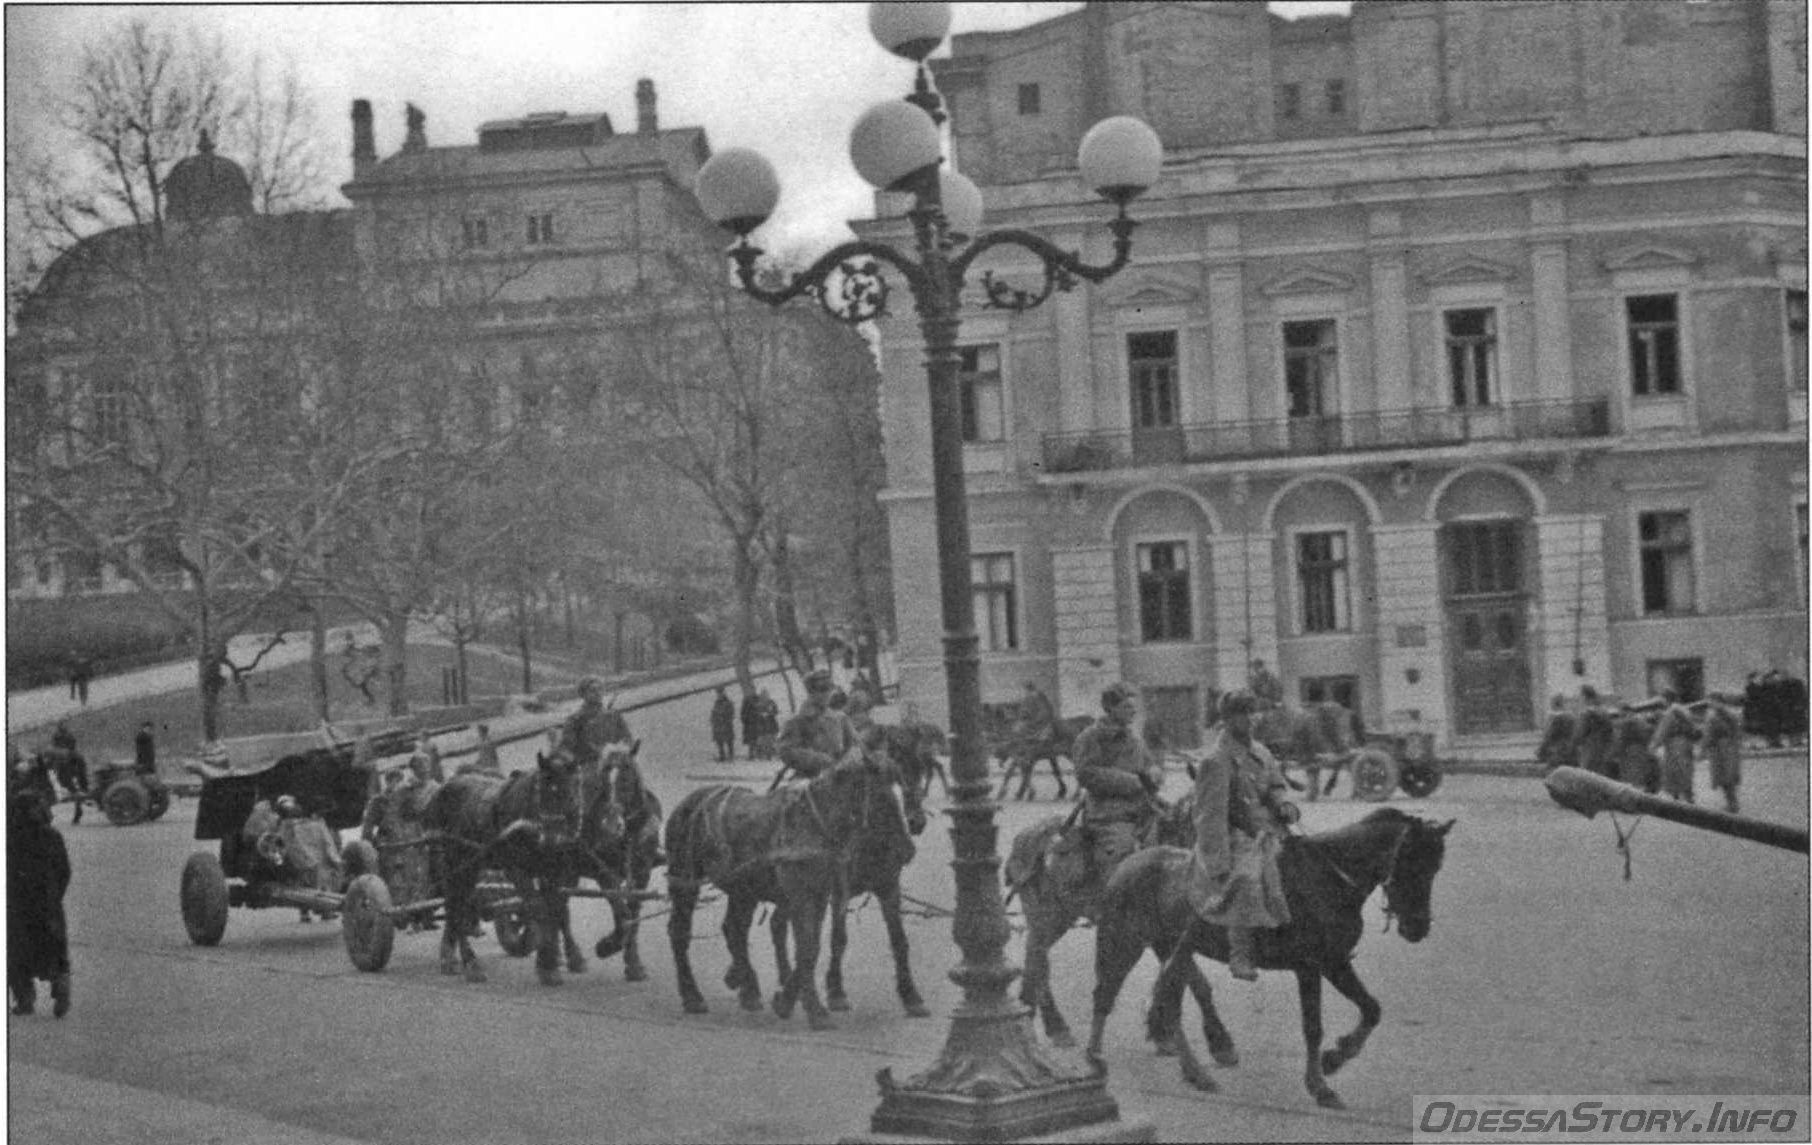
pixel 1321 436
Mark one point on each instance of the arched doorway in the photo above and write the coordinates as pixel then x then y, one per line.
pixel 1487 553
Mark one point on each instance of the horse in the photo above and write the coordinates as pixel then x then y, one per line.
pixel 1309 737
pixel 526 825
pixel 915 748
pixel 784 847
pixel 1054 873
pixel 872 865
pixel 1327 877
pixel 620 846
pixel 1020 755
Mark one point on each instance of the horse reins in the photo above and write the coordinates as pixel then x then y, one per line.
pixel 1383 884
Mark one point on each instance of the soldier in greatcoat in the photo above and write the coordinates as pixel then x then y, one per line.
pixel 1241 819
pixel 818 736
pixel 1673 741
pixel 593 726
pixel 37 877
pixel 1121 778
pixel 1724 749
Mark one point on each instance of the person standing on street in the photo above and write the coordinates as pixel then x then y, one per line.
pixel 723 726
pixel 1724 749
pixel 1672 742
pixel 1241 819
pixel 144 750
pixel 37 877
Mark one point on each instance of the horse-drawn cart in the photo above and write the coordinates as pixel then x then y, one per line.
pixel 1326 737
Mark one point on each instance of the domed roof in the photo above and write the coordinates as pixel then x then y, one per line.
pixel 207 186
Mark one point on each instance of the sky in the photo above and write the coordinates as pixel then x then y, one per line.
pixel 786 79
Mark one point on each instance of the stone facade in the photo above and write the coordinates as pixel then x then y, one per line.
pixel 1478 336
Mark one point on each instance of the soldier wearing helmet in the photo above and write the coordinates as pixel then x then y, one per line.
pixel 593 726
pixel 818 735
pixel 1121 778
pixel 1240 821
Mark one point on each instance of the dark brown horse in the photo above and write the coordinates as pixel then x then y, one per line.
pixel 1327 878
pixel 527 826
pixel 785 847
pixel 621 847
pixel 874 858
pixel 1054 874
pixel 915 747
pixel 1020 755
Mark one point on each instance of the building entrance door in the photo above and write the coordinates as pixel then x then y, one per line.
pixel 1488 646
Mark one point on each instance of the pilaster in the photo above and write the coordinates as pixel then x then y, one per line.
pixel 1571 618
pixel 1245 605
pixel 1088 626
pixel 1412 649
pixel 1075 362
pixel 1553 321
pixel 1232 399
pixel 1391 374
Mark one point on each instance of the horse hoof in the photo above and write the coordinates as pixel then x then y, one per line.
pixel 734 978
pixel 548 975
pixel 837 1002
pixel 1201 1081
pixel 783 1006
pixel 449 967
pixel 1063 1039
pixel 475 973
pixel 821 1022
pixel 694 1006
pixel 917 1009
pixel 634 974
pixel 751 1001
pixel 1328 1099
pixel 576 964
pixel 1228 1057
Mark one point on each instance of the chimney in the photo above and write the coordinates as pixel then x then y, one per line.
pixel 416 123
pixel 364 146
pixel 645 122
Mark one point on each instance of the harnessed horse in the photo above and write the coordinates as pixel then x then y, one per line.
pixel 527 825
pixel 1327 878
pixel 876 855
pixel 785 847
pixel 619 848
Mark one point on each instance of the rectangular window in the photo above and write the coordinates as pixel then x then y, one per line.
pixel 1665 542
pixel 111 401
pixel 1028 99
pixel 1342 690
pixel 1654 327
pixel 1471 356
pixel 541 229
pixel 1336 93
pixel 1310 359
pixel 996 601
pixel 477 232
pixel 1485 558
pixel 979 385
pixel 1322 582
pixel 1164 612
pixel 1152 369
pixel 1289 101
pixel 1796 341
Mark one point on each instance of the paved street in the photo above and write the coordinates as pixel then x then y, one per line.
pixel 1546 973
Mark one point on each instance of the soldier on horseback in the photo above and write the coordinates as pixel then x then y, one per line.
pixel 1241 819
pixel 586 732
pixel 1120 775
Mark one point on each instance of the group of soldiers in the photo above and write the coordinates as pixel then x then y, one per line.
pixel 1653 745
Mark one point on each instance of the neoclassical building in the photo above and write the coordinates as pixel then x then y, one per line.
pixel 1461 361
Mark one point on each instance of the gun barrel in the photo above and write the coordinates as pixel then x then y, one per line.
pixel 1589 793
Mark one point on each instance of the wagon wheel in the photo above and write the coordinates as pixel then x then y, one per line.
pixel 1420 779
pixel 1375 775
pixel 365 923
pixel 160 802
pixel 514 933
pixel 204 899
pixel 126 801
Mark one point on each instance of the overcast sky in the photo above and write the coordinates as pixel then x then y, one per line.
pixel 786 79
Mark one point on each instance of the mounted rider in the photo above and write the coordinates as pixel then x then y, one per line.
pixel 818 736
pixel 593 726
pixel 1121 776
pixel 1037 719
pixel 1241 819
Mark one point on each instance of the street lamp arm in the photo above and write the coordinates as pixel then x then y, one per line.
pixel 1061 267
pixel 846 280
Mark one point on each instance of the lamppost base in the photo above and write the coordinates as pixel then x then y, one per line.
pixel 995 1083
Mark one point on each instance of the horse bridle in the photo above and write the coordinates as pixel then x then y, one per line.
pixel 1386 884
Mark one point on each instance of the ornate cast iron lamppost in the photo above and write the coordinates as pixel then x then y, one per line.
pixel 993 1081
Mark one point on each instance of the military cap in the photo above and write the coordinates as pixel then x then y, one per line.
pixel 1117 694
pixel 1238 702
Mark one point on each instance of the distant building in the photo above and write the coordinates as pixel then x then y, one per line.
pixel 1461 361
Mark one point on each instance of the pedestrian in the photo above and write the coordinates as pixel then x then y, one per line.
pixel 144 750
pixel 84 672
pixel 73 663
pixel 1241 819
pixel 1595 738
pixel 1723 740
pixel 484 755
pixel 69 766
pixel 769 734
pixel 751 723
pixel 1560 739
pixel 723 726
pixel 1672 742
pixel 37 877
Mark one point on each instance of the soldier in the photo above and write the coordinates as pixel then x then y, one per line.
pixel 1241 819
pixel 1121 778
pixel 1267 689
pixel 37 877
pixel 818 736
pixel 1672 741
pixel 1724 748
pixel 586 732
